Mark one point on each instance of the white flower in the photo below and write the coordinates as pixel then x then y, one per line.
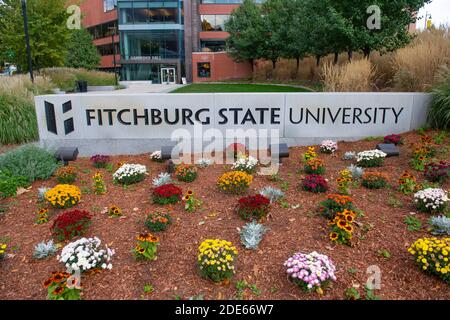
pixel 156 155
pixel 85 254
pixel 370 154
pixel 244 163
pixel 129 170
pixel 328 146
pixel 431 197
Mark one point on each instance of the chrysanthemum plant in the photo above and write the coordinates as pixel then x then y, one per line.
pixel 216 260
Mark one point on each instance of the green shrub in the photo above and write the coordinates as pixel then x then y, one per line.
pixel 29 161
pixel 10 183
pixel 18 122
pixel 439 113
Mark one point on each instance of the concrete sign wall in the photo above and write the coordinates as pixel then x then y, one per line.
pixel 137 123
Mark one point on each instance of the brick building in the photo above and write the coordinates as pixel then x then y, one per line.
pixel 163 40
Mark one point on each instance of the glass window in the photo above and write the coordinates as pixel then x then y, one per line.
pixel 227 1
pixel 212 45
pixel 214 22
pixel 143 72
pixel 107 49
pixel 155 44
pixel 103 30
pixel 109 5
pixel 148 12
pixel 204 69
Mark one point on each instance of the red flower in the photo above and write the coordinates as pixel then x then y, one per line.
pixel 315 183
pixel 167 191
pixel 70 223
pixel 393 138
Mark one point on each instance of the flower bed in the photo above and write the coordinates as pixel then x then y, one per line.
pixel 296 221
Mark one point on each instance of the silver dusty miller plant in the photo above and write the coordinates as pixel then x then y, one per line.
pixel 273 194
pixel 252 234
pixel 43 250
pixel 356 171
pixel 162 179
pixel 440 225
pixel 349 155
pixel 41 193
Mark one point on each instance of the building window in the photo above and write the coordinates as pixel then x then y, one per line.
pixel 109 5
pixel 204 69
pixel 214 22
pixel 150 12
pixel 107 49
pixel 212 45
pixel 151 45
pixel 103 30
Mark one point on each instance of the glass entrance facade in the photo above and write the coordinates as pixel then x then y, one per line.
pixel 151 37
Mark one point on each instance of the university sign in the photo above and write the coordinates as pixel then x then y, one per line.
pixel 137 123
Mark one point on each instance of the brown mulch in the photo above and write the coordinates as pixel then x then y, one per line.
pixel 174 273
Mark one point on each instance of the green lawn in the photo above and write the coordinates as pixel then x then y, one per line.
pixel 232 87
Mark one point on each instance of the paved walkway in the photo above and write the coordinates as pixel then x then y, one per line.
pixel 142 88
pixel 149 88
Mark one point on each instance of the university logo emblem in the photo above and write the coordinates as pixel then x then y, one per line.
pixel 51 117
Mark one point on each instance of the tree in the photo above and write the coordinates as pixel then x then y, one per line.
pixel 81 53
pixel 326 30
pixel 274 30
pixel 396 16
pixel 245 26
pixel 47 28
pixel 295 45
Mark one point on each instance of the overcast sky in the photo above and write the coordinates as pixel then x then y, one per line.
pixel 440 13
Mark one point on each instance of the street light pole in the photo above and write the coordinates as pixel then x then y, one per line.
pixel 27 38
pixel 113 33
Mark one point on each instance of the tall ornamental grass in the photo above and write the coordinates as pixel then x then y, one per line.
pixel 439 113
pixel 355 76
pixel 417 65
pixel 65 78
pixel 18 123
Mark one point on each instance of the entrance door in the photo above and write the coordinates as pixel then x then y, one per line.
pixel 168 75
